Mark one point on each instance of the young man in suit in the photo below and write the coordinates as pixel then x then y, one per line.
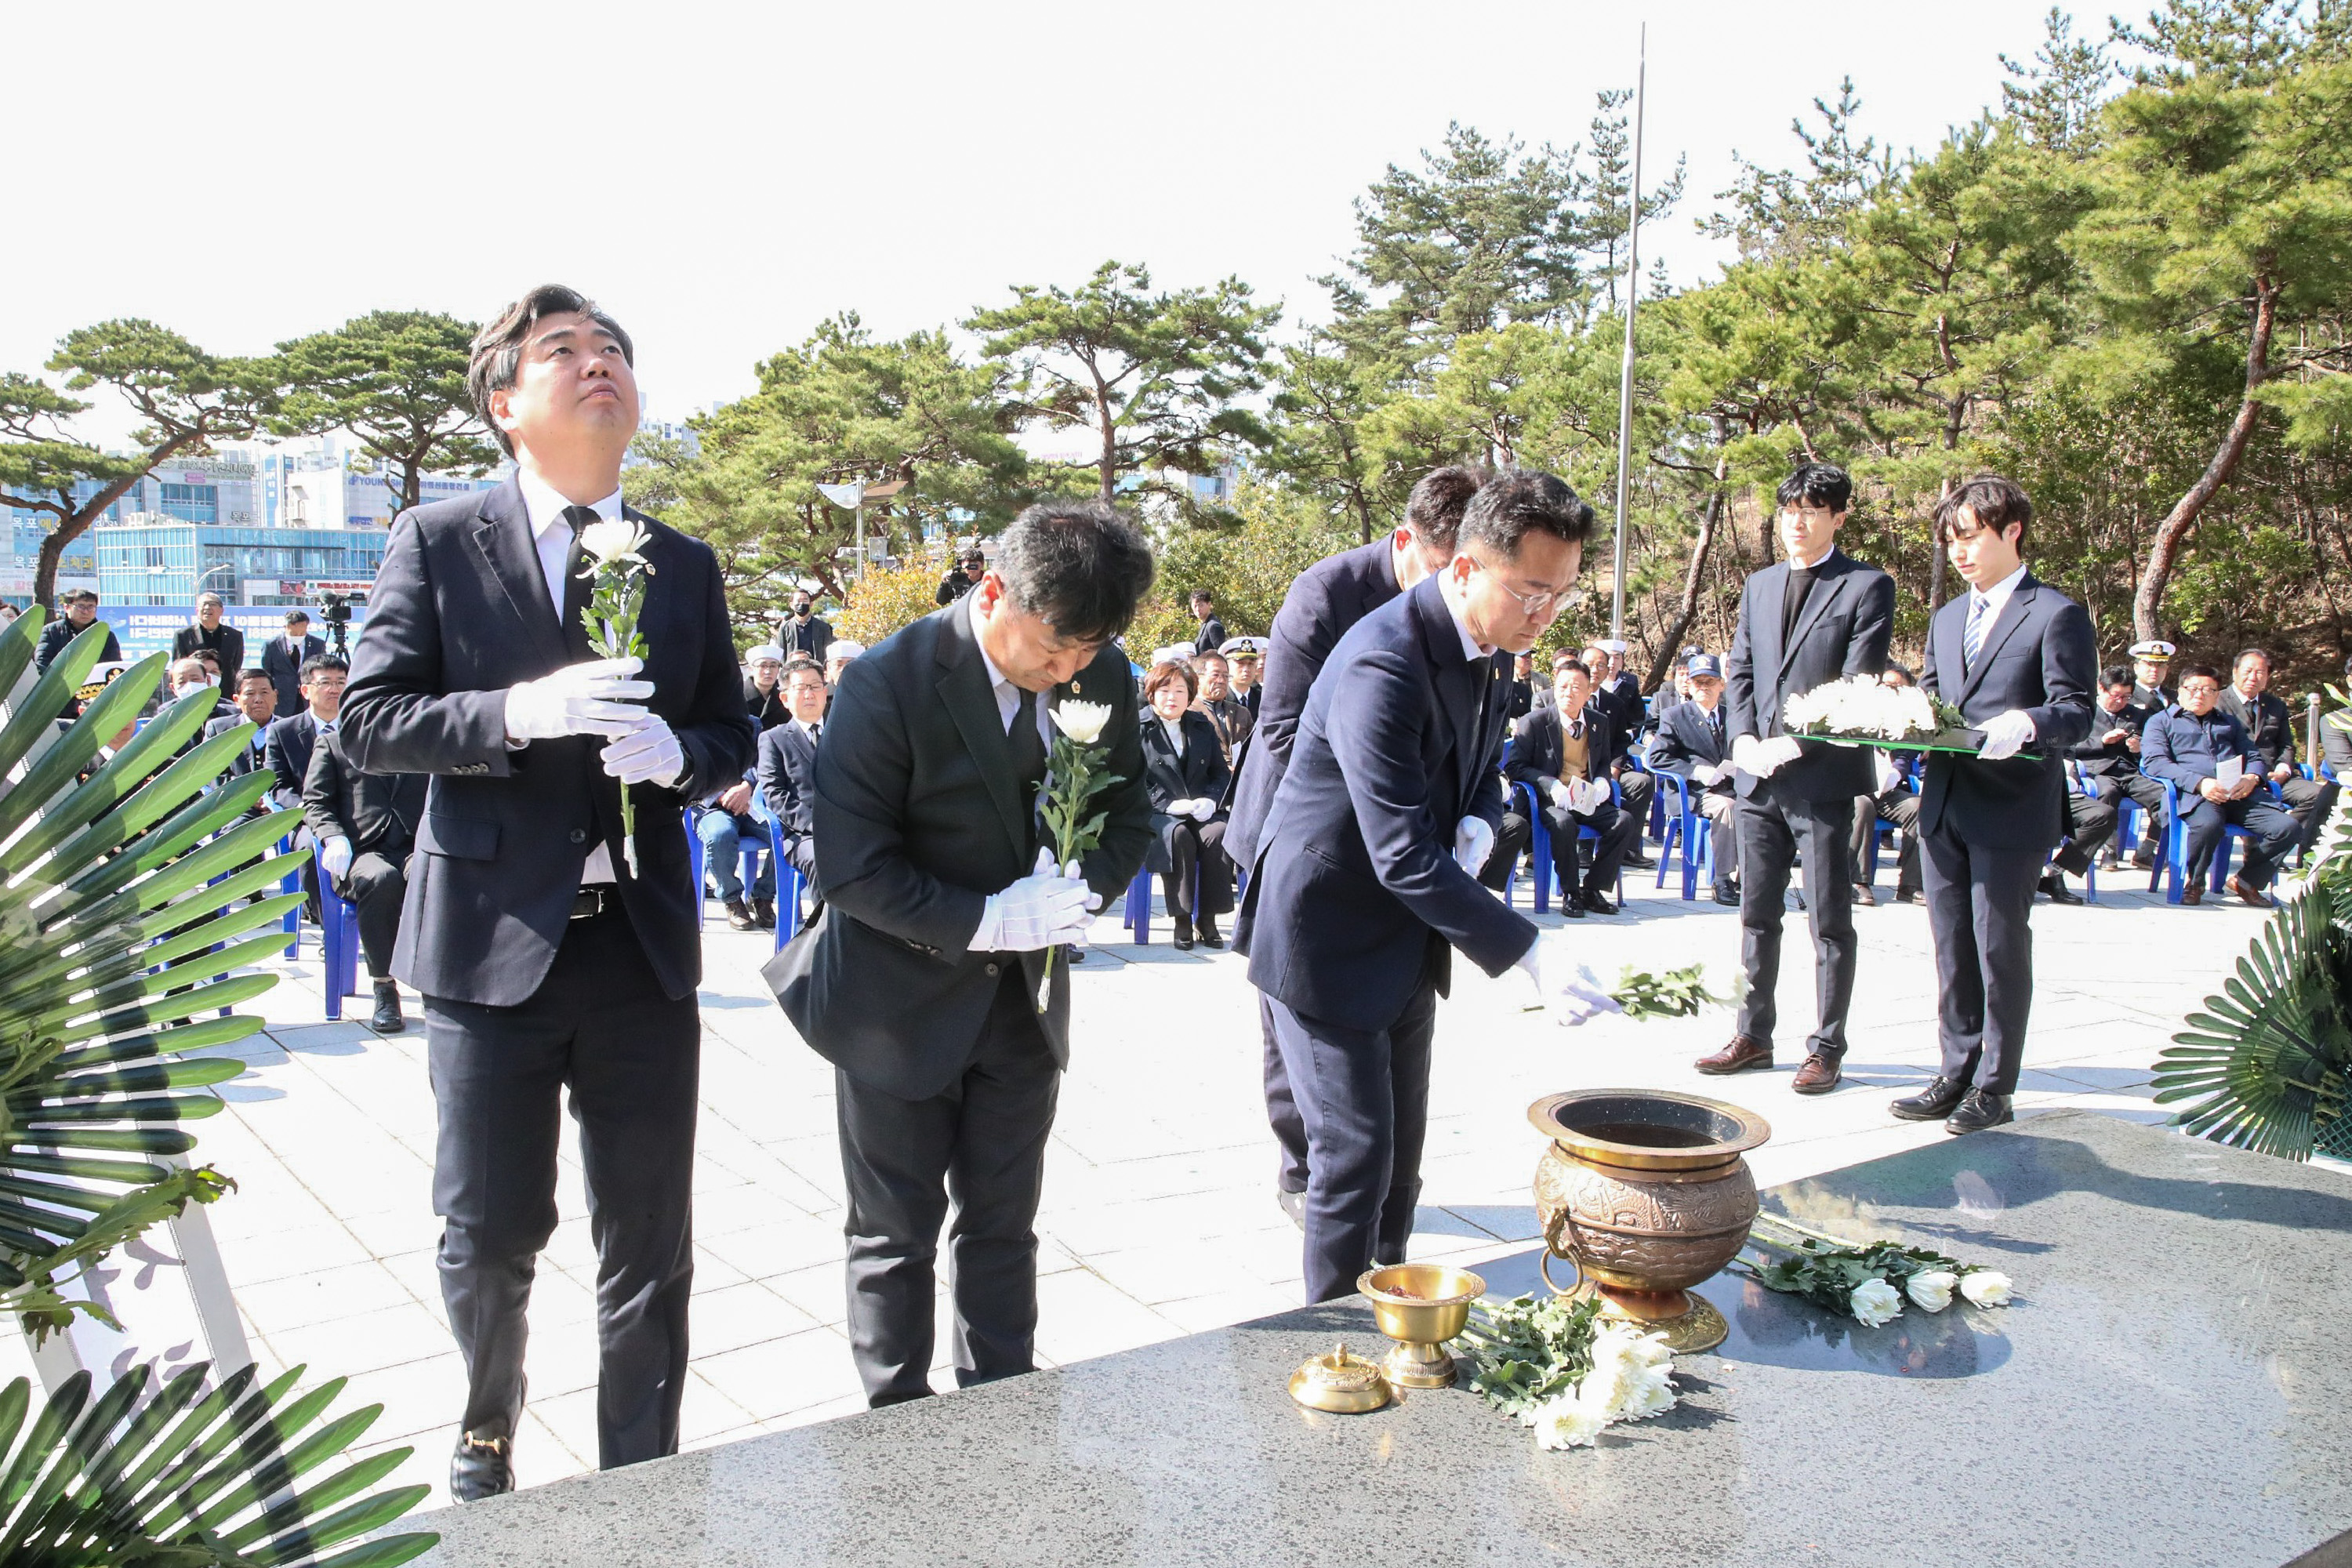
pixel 1324 602
pixel 550 956
pixel 2151 662
pixel 1210 635
pixel 1365 880
pixel 2016 658
pixel 284 656
pixel 1694 743
pixel 1567 762
pixel 364 825
pixel 293 737
pixel 805 633
pixel 931 981
pixel 1817 616
pixel 78 608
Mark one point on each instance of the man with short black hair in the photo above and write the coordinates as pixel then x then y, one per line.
pixel 1323 603
pixel 1694 743
pixel 80 608
pixel 1564 753
pixel 2107 759
pixel 787 772
pixel 805 633
pixel 558 959
pixel 293 736
pixel 1232 717
pixel 930 983
pixel 255 699
pixel 961 577
pixel 1211 633
pixel 284 657
pixel 2204 751
pixel 1816 618
pixel 225 642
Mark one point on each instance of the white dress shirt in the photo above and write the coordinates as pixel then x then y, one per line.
pixel 1008 696
pixel 1996 598
pixel 543 505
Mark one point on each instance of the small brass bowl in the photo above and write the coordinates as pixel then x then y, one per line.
pixel 1342 1382
pixel 1421 1306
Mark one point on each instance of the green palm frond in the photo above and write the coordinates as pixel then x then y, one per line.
pixel 2263 1067
pixel 192 1476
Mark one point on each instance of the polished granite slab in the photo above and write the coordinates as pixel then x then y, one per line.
pixel 2175 1387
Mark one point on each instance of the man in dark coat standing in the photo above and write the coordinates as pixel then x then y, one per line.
pixel 284 656
pixel 210 631
pixel 932 980
pixel 1324 602
pixel 550 954
pixel 1365 878
pixel 805 633
pixel 1815 618
pixel 2016 656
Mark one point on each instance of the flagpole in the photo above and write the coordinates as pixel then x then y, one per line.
pixel 1625 374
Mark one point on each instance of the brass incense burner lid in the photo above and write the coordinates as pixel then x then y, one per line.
pixel 1342 1382
pixel 1648 1128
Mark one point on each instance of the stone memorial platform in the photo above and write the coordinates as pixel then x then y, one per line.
pixel 2174 1386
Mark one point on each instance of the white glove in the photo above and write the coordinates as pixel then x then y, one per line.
pixel 1474 840
pixel 2006 735
pixel 648 754
pixel 1179 807
pixel 335 857
pixel 1568 988
pixel 1561 796
pixel 1203 809
pixel 1762 759
pixel 1707 775
pixel 1074 872
pixel 1044 908
pixel 593 698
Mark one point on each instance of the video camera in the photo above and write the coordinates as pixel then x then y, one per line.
pixel 335 610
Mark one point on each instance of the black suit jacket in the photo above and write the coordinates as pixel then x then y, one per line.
pixel 788 777
pixel 225 640
pixel 919 820
pixel 1199 775
pixel 62 631
pixel 1538 746
pixel 460 613
pixel 1324 602
pixel 2097 759
pixel 246 758
pixel 810 640
pixel 377 812
pixel 2266 722
pixel 287 750
pixel 285 668
pixel 1686 740
pixel 1355 900
pixel 2038 656
pixel 1210 636
pixel 1848 620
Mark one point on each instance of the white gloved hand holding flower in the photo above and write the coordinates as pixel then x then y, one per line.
pixel 1570 989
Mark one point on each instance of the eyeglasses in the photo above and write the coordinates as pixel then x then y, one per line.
pixel 1532 604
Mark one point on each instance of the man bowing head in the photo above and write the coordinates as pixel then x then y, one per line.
pixel 548 956
pixel 1365 877
pixel 921 982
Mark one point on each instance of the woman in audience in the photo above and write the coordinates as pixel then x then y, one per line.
pixel 1184 769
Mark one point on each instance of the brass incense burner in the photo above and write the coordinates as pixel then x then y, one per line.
pixel 1647 1192
pixel 1421 1306
pixel 1342 1382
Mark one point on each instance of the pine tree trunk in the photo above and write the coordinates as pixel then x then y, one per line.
pixel 1688 610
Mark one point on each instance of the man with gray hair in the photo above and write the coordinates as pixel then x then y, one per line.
pixel 927 981
pixel 209 631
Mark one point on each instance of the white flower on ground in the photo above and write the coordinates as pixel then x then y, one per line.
pixel 1081 722
pixel 1931 1291
pixel 609 540
pixel 1875 1302
pixel 1632 1376
pixel 1986 1287
pixel 1563 1423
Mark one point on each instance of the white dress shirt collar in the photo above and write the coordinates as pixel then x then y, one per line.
pixel 807 727
pixel 1008 696
pixel 1472 648
pixel 1997 596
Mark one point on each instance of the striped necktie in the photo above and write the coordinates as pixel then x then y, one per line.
pixel 1972 640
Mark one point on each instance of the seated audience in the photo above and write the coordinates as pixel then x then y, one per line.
pixel 1567 765
pixel 2206 753
pixel 1691 744
pixel 787 766
pixel 1184 769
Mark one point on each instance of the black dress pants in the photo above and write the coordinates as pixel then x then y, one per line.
pixel 1774 825
pixel 1979 903
pixel 599 1026
pixel 1282 1111
pixel 981 1142
pixel 1620 831
pixel 1364 1094
pixel 1901 808
pixel 2089 823
pixel 376 885
pixel 1189 845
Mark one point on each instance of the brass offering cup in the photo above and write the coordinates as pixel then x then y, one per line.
pixel 1421 1306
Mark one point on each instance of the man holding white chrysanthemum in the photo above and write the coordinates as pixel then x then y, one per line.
pixel 955 867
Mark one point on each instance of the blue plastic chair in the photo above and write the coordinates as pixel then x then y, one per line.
pixel 1539 844
pixel 790 884
pixel 2172 871
pixel 2091 871
pixel 339 948
pixel 748 865
pixel 1689 826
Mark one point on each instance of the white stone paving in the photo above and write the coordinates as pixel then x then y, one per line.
pixel 1159 1216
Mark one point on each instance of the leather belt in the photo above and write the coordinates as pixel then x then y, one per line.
pixel 590 902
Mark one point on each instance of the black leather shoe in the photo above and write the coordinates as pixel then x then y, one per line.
pixel 1209 935
pixel 2054 888
pixel 481 1467
pixel 763 912
pixel 739 917
pixel 1980 1109
pixel 387 1019
pixel 1294 1205
pixel 1641 861
pixel 1571 906
pixel 1939 1098
pixel 1182 939
pixel 1598 902
pixel 1726 893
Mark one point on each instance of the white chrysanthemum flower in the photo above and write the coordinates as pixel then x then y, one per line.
pixel 609 540
pixel 1565 1422
pixel 1631 1375
pixel 1874 1301
pixel 1985 1287
pixel 1081 722
pixel 1931 1291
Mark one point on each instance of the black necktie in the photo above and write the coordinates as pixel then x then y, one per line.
pixel 815 730
pixel 1028 752
pixel 576 588
pixel 1715 727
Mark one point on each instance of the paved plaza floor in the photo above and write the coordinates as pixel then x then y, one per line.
pixel 1159 1215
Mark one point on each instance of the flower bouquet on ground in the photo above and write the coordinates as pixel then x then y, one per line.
pixel 1868 1281
pixel 1676 993
pixel 1862 711
pixel 1562 1369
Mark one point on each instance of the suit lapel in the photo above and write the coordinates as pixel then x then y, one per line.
pixel 1825 587
pixel 1457 680
pixel 963 686
pixel 2012 614
pixel 502 536
pixel 1772 591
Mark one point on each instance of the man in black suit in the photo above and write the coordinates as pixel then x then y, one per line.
pixel 1365 878
pixel 364 825
pixel 211 632
pixel 2108 759
pixel 1211 633
pixel 284 656
pixel 1617 697
pixel 80 608
pixel 256 702
pixel 2252 703
pixel 1815 618
pixel 1568 764
pixel 805 633
pixel 787 772
pixel 2217 769
pixel 1322 604
pixel 550 954
pixel 1248 657
pixel 930 980
pixel 1694 743
pixel 293 737
pixel 2016 658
